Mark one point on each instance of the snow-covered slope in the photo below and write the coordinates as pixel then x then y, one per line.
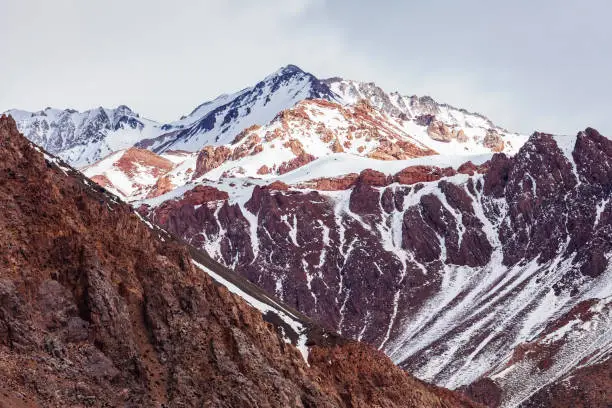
pixel 317 128
pixel 134 174
pixel 408 107
pixel 81 138
pixel 218 122
pixel 415 112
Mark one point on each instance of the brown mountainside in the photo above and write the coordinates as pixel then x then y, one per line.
pixel 98 309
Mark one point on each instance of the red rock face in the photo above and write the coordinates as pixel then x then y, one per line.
pixel 210 158
pixel 471 169
pixel 198 196
pixel 419 174
pixel 373 258
pixel 374 178
pixel 399 151
pixel 299 161
pixel 97 309
pixel 162 186
pixel 277 185
pixel 263 170
pixel 133 157
pixel 295 146
pixel 331 184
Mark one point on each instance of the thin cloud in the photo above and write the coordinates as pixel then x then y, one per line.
pixel 527 66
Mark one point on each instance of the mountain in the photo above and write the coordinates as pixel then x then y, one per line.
pixel 85 138
pixel 100 308
pixel 348 118
pixel 492 275
pixel 222 119
pixel 474 257
pixel 82 138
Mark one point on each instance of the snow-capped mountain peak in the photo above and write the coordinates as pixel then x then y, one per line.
pixel 82 138
pixel 220 121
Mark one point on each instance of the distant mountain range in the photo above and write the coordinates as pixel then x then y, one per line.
pixel 82 138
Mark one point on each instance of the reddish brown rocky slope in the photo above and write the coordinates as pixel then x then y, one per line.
pixel 98 309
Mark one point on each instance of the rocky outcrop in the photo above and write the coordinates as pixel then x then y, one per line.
pixel 209 158
pixel 161 187
pixel 419 174
pixel 263 170
pixel 99 309
pixel 332 183
pixel 399 150
pixel 295 146
pixel 440 132
pixel 277 185
pixel 198 196
pixel 592 156
pixel 295 163
pixel 493 141
pixel 470 168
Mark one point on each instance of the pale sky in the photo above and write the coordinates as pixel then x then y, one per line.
pixel 527 65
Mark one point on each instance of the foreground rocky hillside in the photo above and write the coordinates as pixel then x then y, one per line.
pixel 99 308
pixel 493 276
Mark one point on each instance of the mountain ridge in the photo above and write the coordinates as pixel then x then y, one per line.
pixel 81 145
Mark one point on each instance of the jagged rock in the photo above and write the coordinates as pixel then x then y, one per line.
pixel 493 141
pixel 263 170
pixel 162 186
pixel 295 163
pixel 440 131
pixel 210 158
